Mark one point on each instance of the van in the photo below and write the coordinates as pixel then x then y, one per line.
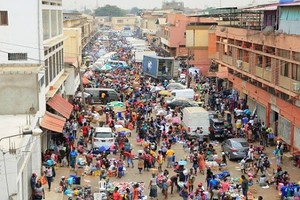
pixel 102 95
pixel 118 63
pixel 103 136
pixel 194 117
pixel 184 93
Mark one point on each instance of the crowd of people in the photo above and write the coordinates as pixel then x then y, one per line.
pixel 157 133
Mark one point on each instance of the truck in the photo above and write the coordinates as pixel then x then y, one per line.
pixel 139 55
pixel 162 68
pixel 194 117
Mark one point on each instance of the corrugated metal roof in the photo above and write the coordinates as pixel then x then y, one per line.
pixel 53 122
pixel 62 106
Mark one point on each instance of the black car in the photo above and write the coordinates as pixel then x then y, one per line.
pixel 181 102
pixel 216 128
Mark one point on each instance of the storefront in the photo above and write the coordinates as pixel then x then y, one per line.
pixel 297 137
pixel 284 129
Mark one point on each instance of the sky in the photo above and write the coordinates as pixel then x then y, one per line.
pixel 149 4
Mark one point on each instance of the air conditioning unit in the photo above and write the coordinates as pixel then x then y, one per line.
pixel 239 63
pixel 296 87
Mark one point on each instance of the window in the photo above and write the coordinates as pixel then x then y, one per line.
pixel 296 72
pixel 17 56
pixel 284 69
pixel 3 18
pixel 259 61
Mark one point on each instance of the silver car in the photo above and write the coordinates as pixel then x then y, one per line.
pixel 235 148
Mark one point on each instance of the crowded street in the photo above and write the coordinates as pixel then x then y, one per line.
pixel 152 154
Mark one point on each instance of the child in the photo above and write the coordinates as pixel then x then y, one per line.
pixel 224 161
pixel 243 165
pixel 191 180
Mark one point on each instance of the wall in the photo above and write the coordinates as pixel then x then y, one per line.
pixel 72 45
pixel 118 23
pixel 18 96
pixel 22 34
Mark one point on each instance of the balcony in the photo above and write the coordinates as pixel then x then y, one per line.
pixel 246 67
pixel 227 59
pixel 265 74
pixel 289 84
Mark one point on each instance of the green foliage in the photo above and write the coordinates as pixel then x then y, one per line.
pixel 135 10
pixel 111 11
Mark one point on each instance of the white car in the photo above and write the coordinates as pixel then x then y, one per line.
pixel 103 136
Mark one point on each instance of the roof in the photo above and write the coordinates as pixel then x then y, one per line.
pixel 60 105
pixel 160 57
pixel 195 109
pixel 264 7
pixel 12 124
pixel 53 122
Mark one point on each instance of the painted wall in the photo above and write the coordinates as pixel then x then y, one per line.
pixel 21 36
pixel 18 96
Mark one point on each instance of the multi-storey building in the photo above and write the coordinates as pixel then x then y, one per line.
pixel 118 23
pixel 79 30
pixel 263 64
pixel 32 75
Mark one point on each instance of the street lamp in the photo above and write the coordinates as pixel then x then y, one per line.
pixel 34 132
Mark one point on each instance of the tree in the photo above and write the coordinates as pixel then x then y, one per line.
pixel 135 10
pixel 111 11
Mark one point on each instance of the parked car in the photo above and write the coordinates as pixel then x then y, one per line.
pixel 181 102
pixel 235 148
pixel 103 136
pixel 212 115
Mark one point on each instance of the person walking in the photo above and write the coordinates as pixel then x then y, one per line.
pixel 49 176
pixel 39 192
pixel 245 186
pixel 153 187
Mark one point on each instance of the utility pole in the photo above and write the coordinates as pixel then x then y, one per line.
pixel 81 87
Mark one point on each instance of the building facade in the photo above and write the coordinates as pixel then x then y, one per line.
pixel 118 23
pixel 264 67
pixel 31 73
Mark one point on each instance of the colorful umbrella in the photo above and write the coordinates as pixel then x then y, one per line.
pixel 106 67
pixel 116 104
pixel 176 120
pixel 165 93
pixel 123 129
pixel 103 148
pixel 182 162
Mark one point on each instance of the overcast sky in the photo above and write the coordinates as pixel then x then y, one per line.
pixel 127 4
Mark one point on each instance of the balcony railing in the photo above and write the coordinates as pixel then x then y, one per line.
pixel 289 84
pixel 227 59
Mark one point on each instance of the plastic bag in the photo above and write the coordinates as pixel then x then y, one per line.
pixel 43 180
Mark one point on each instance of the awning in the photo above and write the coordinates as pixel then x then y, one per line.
pixel 53 90
pixel 53 122
pixel 60 105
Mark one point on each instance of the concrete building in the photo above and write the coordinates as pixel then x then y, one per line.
pixel 79 30
pixel 198 43
pixel 31 72
pixel 173 5
pixel 264 66
pixel 118 23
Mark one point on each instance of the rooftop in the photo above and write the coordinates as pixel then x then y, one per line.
pixel 19 68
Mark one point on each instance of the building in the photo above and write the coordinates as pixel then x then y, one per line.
pixel 79 31
pixel 173 5
pixel 172 35
pixel 32 75
pixel 199 44
pixel 104 21
pixel 264 66
pixel 119 23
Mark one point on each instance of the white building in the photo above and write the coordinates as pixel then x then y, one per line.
pixel 31 73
